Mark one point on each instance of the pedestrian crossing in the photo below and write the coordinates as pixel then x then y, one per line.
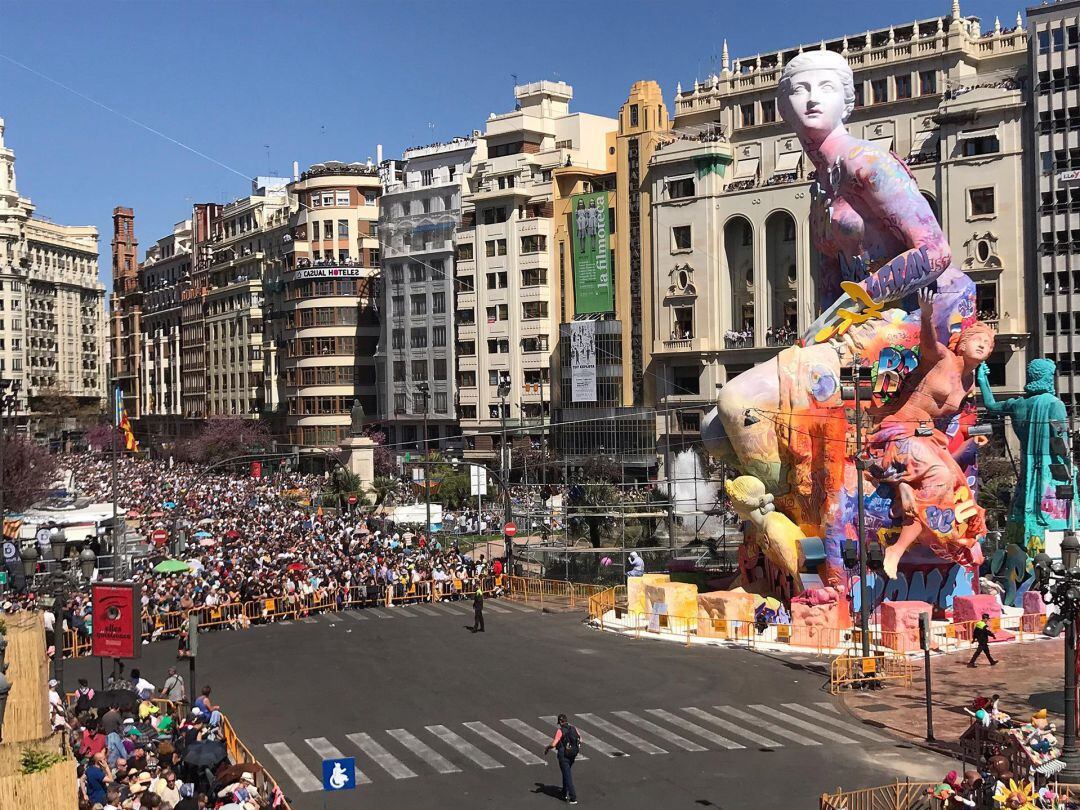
pixel 441 749
pixel 411 610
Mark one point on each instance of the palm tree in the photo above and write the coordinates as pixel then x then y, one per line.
pixel 382 486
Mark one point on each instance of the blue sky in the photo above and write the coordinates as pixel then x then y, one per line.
pixel 330 79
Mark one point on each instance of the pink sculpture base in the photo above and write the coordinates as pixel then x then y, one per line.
pixel 900 624
pixel 968 609
pixel 1034 612
pixel 819 625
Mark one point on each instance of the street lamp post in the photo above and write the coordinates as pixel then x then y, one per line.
pixel 507 509
pixel 59 583
pixel 423 389
pixel 506 460
pixel 9 401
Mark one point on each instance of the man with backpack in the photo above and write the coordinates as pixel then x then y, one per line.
pixel 567 745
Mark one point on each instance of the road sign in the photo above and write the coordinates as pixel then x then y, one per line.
pixel 352 500
pixel 510 528
pixel 160 537
pixel 477 480
pixel 339 774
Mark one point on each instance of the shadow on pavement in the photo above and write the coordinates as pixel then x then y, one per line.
pixel 554 791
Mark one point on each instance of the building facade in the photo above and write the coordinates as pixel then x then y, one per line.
pixel 507 326
pixel 418 220
pixel 1054 182
pixel 325 313
pixel 733 264
pixel 52 304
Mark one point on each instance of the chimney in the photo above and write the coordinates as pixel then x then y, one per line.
pixel 295 170
pixel 378 154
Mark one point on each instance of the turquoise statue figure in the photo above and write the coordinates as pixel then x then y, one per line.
pixel 1040 422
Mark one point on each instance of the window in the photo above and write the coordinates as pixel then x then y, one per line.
pixel 927 82
pixel 531 310
pixel 535 344
pixel 341 199
pixel 981 202
pixel 681 238
pixel 370 197
pixel 418 337
pixel 685 380
pixel 397 274
pixel 986 300
pixel 418 304
pixel 467 379
pixel 497 281
pixel 440 402
pixel 768 111
pixel 315 200
pixel 903 86
pixel 328 199
pixel 465 251
pixel 746 112
pixel 399 403
pixel 533 277
pixel 465 317
pixel 343 229
pixel 419 370
pixel 634 115
pixel 495 247
pixel 493 376
pixel 879 90
pixel 506 181
pixel 1044 42
pixel 493 216
pixel 533 244
pixel 683 187
pixel 315 231
pixel 536 376
pixel 417 272
pixel 1057 39
pixel 498 312
pixel 438 336
pixel 466 348
pixel 860 98
pixel 438 303
pixel 498 346
pixel 439 367
pixel 981 145
pixel 399 371
pixel 468 411
pixel 684 324
pixel 427 177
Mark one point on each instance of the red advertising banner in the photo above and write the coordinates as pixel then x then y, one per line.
pixel 256 469
pixel 117 624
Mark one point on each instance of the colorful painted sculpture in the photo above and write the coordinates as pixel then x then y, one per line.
pixel 1035 506
pixel 768 533
pixel 784 422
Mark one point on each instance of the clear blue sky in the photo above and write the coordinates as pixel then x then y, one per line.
pixel 330 79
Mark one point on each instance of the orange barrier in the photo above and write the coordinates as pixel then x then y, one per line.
pixel 242 615
pixel 897 796
pixel 553 591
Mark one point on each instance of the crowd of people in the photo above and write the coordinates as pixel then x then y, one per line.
pixel 144 747
pixel 740 338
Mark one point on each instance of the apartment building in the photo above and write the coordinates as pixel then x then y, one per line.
pixel 193 292
pixel 507 327
pixel 325 313
pixel 1054 178
pixel 163 273
pixel 733 264
pixel 611 418
pixel 52 304
pixel 418 221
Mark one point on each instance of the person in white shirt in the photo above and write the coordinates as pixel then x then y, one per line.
pixel 143 687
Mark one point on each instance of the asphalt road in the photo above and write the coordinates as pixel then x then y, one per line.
pixel 439 717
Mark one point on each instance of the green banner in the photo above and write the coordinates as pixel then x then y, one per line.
pixel 594 290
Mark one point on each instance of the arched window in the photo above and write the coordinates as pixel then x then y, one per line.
pixel 739 252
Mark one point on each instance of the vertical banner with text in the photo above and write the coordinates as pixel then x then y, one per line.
pixel 583 361
pixel 117 623
pixel 593 287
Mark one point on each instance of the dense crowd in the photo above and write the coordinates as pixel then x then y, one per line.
pixel 144 747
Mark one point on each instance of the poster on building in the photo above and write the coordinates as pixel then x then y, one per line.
pixel 117 620
pixel 583 361
pixel 593 287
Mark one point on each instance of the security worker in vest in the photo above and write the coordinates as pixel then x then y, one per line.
pixel 478 611
pixel 982 635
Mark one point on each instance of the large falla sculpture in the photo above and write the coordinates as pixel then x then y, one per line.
pixel 894 304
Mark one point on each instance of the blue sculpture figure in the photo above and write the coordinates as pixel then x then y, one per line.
pixel 1040 421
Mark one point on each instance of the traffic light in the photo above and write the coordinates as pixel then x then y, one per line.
pixel 850 554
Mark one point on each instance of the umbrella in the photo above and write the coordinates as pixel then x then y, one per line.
pixel 205 754
pixel 206 521
pixel 208 541
pixel 157 514
pixel 194 563
pixel 296 567
pixel 203 534
pixel 232 534
pixel 133 513
pixel 171 566
pixel 124 698
pixel 169 504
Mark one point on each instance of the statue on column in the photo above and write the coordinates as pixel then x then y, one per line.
pixel 356 428
pixel 784 422
pixel 1040 422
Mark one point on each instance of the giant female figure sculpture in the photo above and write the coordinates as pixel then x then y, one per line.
pixel 877 243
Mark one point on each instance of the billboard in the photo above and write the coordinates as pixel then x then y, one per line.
pixel 583 361
pixel 117 622
pixel 594 290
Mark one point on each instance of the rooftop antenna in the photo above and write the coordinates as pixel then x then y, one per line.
pixel 431 126
pixel 266 146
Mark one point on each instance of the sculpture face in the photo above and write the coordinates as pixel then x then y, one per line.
pixel 812 101
pixel 978 347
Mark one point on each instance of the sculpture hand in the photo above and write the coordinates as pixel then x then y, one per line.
pixel 982 374
pixel 926 301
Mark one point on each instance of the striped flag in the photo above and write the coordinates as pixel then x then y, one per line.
pixel 123 424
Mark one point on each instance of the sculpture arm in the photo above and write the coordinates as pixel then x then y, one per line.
pixel 982 377
pixel 889 195
pixel 930 351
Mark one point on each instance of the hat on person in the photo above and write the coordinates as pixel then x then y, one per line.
pixel 187 790
pixel 53 683
pixel 246 776
pixel 142 783
pixel 129 721
pixel 166 723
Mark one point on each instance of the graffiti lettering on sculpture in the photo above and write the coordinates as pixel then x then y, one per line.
pixel 892 368
pixel 937 585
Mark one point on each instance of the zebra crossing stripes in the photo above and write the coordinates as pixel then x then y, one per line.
pixel 520 608
pixel 327 750
pixel 380 756
pixel 662 733
pixel 427 611
pixel 356 615
pixel 525 730
pixel 424 751
pixel 803 724
pixel 464 747
pixel 505 743
pixel 772 728
pixel 622 734
pixel 294 767
pixel 381 613
pixel 850 728
pixel 495 608
pixel 590 740
pixel 740 731
pixel 694 728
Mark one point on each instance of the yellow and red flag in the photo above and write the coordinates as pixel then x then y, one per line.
pixel 123 424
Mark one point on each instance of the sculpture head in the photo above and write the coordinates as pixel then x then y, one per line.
pixel 973 343
pixel 1040 376
pixel 816 94
pixel 749 498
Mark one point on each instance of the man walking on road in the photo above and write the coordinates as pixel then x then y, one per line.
pixel 174 689
pixel 982 635
pixel 567 745
pixel 478 612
